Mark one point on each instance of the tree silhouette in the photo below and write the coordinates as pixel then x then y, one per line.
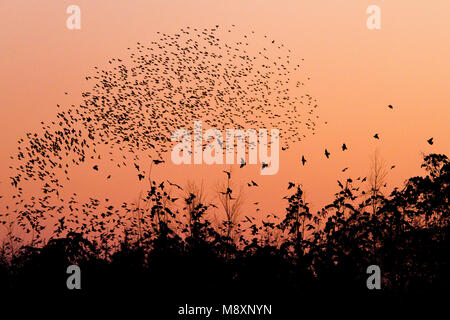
pixel 304 254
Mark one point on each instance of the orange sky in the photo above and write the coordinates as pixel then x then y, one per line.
pixel 355 73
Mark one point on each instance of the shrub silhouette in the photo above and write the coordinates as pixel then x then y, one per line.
pixel 303 254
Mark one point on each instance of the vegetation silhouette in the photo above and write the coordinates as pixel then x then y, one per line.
pixel 302 255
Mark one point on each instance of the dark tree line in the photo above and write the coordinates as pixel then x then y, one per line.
pixel 407 234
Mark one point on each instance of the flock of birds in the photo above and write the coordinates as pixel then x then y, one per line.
pixel 344 146
pixel 136 104
pixel 215 75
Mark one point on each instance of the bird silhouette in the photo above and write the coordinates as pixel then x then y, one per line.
pixel 174 185
pixel 242 163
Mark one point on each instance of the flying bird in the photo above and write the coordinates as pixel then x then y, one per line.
pixel 174 185
pixel 228 174
pixel 242 163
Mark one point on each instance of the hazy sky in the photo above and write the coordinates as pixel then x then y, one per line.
pixel 355 73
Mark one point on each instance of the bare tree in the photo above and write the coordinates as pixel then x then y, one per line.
pixel 231 200
pixel 377 178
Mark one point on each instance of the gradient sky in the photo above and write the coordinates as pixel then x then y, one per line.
pixel 355 73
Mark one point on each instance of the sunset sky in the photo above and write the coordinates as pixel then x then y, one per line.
pixel 355 74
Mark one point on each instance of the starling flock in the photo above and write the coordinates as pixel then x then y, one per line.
pixel 136 104
pixel 214 75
